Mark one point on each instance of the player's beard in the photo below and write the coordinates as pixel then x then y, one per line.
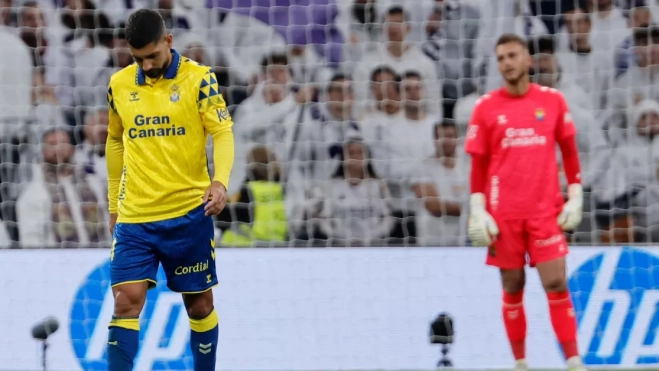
pixel 154 73
pixel 515 80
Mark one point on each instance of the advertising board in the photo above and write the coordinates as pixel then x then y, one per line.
pixel 302 309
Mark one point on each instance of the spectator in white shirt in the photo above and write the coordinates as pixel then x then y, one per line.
pixel 269 115
pixel 60 207
pixel 16 78
pixel 359 23
pixel 401 56
pixel 396 132
pixel 91 152
pixel 610 25
pixel 241 42
pixel 354 210
pixel 638 83
pixel 589 68
pixel 449 170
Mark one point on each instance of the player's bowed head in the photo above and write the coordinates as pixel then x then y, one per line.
pixel 149 42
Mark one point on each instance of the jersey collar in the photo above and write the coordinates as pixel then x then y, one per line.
pixel 171 72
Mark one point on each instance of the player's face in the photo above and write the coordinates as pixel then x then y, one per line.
pixel 155 57
pixel 640 17
pixel 355 156
pixel 340 95
pixel 514 62
pixel 447 141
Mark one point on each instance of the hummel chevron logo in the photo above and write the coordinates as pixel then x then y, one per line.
pixel 205 348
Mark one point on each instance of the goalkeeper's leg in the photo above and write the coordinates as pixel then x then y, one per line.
pixel 508 253
pixel 203 329
pixel 563 319
pixel 547 250
pixel 123 338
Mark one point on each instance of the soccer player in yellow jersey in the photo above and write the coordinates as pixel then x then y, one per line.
pixel 161 197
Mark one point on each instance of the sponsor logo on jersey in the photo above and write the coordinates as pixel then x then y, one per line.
pixel 154 126
pixel 472 132
pixel 526 137
pixel 164 326
pixel 616 298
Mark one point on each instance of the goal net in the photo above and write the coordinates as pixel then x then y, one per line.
pixel 349 120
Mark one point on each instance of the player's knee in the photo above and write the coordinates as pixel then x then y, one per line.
pixel 557 284
pixel 513 281
pixel 199 306
pixel 128 301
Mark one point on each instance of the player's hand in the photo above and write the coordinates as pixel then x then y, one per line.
pixel 570 216
pixel 215 198
pixel 482 229
pixel 113 222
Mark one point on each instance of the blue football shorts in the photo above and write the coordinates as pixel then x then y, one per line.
pixel 184 246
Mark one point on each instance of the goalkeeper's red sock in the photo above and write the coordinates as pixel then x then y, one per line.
pixel 514 319
pixel 564 322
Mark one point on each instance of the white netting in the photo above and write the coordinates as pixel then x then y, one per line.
pixel 334 70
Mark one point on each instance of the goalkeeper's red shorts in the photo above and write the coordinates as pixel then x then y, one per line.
pixel 534 241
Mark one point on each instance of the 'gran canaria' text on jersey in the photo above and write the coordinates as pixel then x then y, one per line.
pixel 154 126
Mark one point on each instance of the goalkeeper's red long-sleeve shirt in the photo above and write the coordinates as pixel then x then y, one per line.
pixel 512 141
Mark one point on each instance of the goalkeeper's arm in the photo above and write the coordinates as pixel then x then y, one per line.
pixel 570 216
pixel 482 228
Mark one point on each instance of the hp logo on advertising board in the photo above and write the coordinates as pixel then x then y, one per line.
pixel 616 297
pixel 164 328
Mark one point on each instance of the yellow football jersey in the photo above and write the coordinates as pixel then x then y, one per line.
pixel 157 136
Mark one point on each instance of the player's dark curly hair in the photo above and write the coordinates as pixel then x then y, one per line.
pixel 143 27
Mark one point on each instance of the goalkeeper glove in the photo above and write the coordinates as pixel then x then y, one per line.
pixel 481 227
pixel 570 216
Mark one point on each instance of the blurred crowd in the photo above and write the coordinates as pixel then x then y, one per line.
pixel 349 114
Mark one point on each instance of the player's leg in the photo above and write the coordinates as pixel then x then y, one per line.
pixel 204 330
pixel 547 249
pixel 188 258
pixel 509 255
pixel 133 268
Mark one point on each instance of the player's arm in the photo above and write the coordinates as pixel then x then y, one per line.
pixel 566 137
pixel 217 122
pixel 114 154
pixel 481 227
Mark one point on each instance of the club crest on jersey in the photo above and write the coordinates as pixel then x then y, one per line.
pixel 174 96
pixel 539 114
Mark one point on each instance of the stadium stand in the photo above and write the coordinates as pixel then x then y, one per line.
pixel 349 114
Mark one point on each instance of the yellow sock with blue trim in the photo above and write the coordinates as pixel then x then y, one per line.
pixel 203 341
pixel 123 341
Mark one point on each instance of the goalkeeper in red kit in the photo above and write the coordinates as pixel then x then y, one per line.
pixel 516 206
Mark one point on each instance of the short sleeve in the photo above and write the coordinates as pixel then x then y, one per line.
pixel 565 125
pixel 476 139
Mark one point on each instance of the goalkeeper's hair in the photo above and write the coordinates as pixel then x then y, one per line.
pixel 511 38
pixel 143 27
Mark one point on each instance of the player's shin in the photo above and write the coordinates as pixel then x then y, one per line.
pixel 203 341
pixel 514 319
pixel 564 322
pixel 123 341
